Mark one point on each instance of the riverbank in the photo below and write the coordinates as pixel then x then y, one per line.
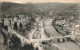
pixel 51 29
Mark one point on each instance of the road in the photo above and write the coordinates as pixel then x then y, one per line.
pixel 43 36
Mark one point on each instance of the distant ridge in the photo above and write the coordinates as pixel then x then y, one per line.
pixel 9 8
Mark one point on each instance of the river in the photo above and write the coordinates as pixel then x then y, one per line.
pixel 50 29
pixel 53 33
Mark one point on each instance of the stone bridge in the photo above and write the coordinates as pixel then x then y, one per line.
pixel 11 31
pixel 12 38
pixel 21 40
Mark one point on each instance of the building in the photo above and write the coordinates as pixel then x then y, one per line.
pixel 8 21
pixel 77 26
pixel 21 16
pixel 15 19
pixel 60 22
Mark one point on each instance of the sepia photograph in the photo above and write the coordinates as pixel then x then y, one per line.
pixel 39 24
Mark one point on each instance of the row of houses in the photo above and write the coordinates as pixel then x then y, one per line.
pixel 72 26
pixel 9 21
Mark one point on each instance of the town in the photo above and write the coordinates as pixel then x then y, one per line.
pixel 45 31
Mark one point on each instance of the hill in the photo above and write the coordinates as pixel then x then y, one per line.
pixel 29 8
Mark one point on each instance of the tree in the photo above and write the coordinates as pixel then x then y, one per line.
pixel 15 25
pixel 20 25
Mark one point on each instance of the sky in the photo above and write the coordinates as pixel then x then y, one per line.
pixel 34 1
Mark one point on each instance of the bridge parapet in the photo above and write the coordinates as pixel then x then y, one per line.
pixel 58 39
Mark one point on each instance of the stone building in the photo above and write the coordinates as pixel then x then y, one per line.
pixel 60 22
pixel 21 16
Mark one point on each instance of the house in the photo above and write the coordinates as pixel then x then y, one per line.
pixel 8 21
pixel 77 26
pixel 15 18
pixel 60 22
pixel 21 16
